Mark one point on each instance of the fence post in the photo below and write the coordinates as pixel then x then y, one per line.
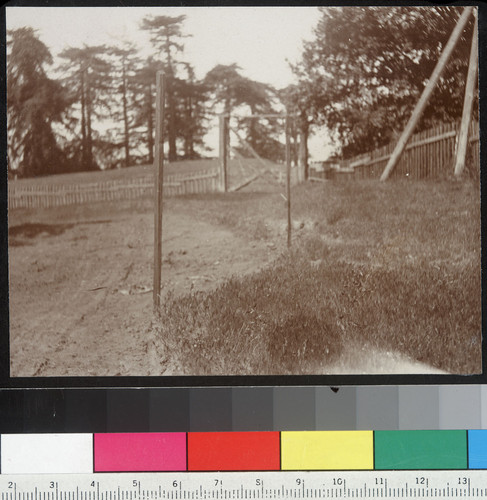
pixel 467 105
pixel 428 90
pixel 223 152
pixel 159 185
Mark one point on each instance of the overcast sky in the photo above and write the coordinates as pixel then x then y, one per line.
pixel 261 40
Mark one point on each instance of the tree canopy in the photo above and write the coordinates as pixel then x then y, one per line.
pixel 360 76
pixel 166 36
pixel 88 74
pixel 366 67
pixel 34 103
pixel 231 90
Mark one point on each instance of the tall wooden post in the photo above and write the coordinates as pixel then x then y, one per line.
pixel 467 104
pixel 428 90
pixel 159 184
pixel 224 152
pixel 288 179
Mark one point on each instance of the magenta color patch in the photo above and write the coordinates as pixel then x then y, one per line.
pixel 137 452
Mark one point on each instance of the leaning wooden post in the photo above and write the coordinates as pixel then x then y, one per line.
pixel 418 110
pixel 249 147
pixel 224 152
pixel 159 184
pixel 467 105
pixel 288 181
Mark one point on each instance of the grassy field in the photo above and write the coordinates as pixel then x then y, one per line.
pixel 180 167
pixel 392 266
pixel 374 269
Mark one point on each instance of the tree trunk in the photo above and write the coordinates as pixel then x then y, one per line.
pixel 89 137
pixel 125 116
pixel 252 138
pixel 227 111
pixel 83 122
pixel 188 134
pixel 294 137
pixel 303 146
pixel 150 125
pixel 89 134
pixel 171 120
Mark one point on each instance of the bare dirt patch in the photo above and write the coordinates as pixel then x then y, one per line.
pixel 81 291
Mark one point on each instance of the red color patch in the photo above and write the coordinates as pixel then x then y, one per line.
pixel 233 451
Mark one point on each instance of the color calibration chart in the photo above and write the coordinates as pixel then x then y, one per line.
pixel 244 465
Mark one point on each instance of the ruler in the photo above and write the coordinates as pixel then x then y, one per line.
pixel 246 485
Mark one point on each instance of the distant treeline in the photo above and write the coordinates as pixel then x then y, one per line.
pixel 92 107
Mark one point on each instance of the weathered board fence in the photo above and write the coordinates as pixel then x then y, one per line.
pixel 52 195
pixel 428 155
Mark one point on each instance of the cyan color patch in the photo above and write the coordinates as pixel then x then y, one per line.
pixel 477 449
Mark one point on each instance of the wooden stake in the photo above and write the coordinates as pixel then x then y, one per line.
pixel 467 105
pixel 423 101
pixel 224 152
pixel 288 181
pixel 158 191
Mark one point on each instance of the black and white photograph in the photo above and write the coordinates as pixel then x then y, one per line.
pixel 224 191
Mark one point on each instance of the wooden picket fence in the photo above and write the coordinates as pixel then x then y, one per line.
pixel 52 195
pixel 428 155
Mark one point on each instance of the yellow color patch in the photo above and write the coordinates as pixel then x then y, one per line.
pixel 327 450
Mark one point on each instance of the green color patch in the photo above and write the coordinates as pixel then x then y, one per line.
pixel 420 450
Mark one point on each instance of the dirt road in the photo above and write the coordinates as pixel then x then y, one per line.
pixel 81 291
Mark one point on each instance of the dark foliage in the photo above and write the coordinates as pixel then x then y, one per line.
pixel 366 67
pixel 34 103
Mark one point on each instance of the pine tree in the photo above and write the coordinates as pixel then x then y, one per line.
pixel 166 36
pixel 89 77
pixel 34 103
pixel 123 64
pixel 191 96
pixel 231 90
pixel 143 88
